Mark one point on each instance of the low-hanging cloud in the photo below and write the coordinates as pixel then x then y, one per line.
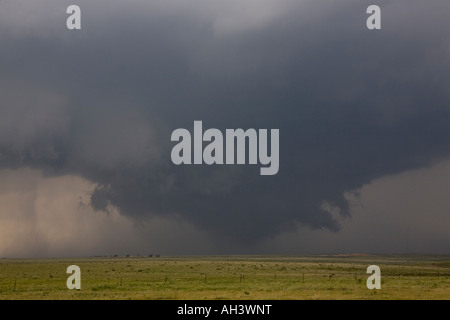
pixel 51 216
pixel 100 103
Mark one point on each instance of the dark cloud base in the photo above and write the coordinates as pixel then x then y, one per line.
pixel 351 105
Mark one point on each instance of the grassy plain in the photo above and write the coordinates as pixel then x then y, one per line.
pixel 229 277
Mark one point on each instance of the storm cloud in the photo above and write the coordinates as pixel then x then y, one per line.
pixel 100 103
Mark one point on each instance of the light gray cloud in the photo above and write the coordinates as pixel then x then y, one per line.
pixel 43 216
pixel 402 213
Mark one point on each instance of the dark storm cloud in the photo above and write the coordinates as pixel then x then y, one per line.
pixel 351 104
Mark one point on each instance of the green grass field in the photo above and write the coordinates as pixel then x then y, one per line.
pixel 229 277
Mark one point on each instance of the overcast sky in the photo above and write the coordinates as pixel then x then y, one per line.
pixel 86 118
